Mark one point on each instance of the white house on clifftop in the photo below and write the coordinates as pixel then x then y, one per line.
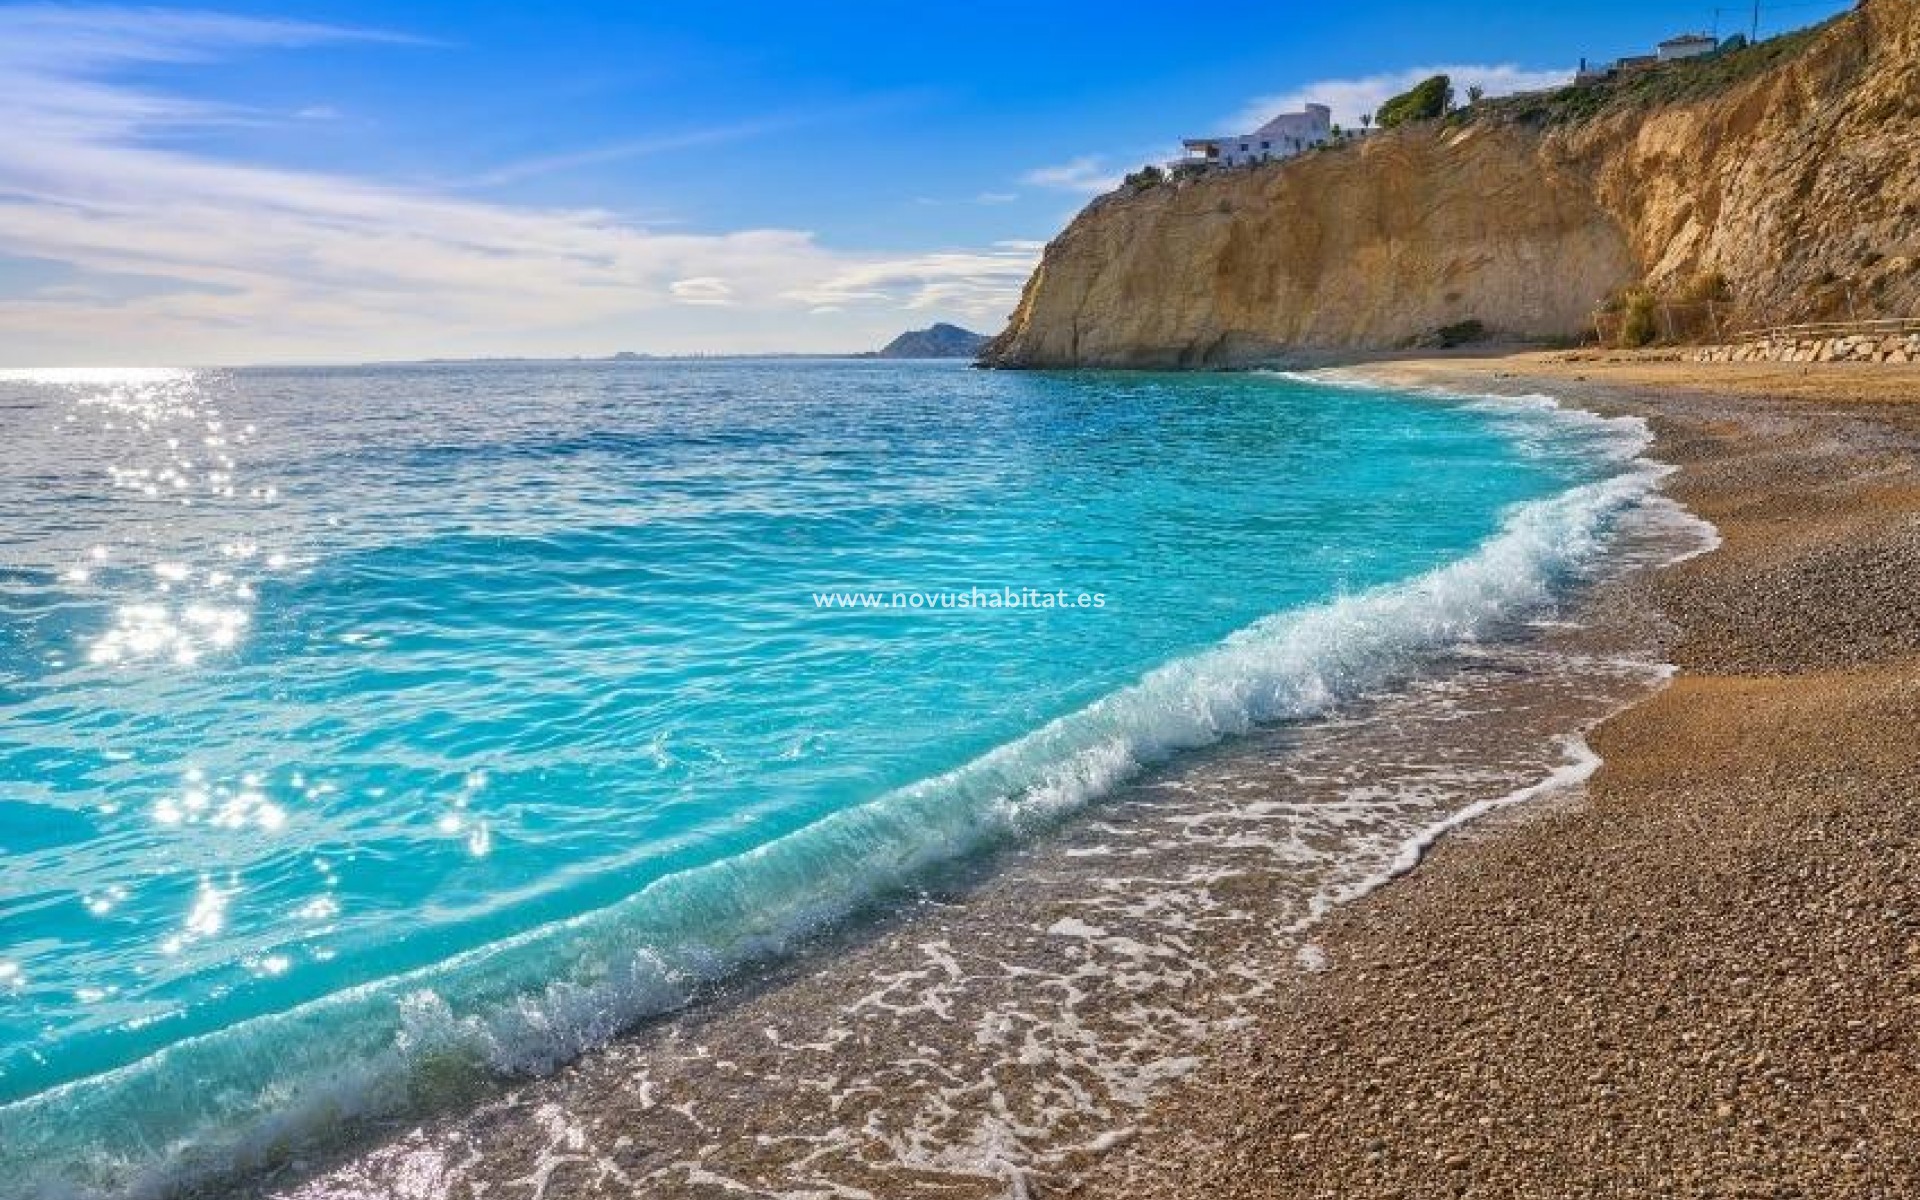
pixel 1283 137
pixel 1687 45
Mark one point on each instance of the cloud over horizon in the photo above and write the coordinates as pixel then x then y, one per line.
pixel 169 255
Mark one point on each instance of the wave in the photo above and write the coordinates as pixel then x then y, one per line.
pixel 260 1091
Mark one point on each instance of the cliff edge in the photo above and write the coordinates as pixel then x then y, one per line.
pixel 1791 170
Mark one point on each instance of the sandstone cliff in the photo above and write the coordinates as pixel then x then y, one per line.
pixel 1793 170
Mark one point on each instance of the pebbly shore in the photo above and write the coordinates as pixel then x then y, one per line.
pixel 1700 977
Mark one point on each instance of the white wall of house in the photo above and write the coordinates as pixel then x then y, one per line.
pixel 1675 49
pixel 1283 137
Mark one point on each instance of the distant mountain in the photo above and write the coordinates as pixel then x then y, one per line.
pixel 936 341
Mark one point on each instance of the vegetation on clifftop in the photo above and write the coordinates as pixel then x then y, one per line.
pixel 1679 82
pixel 1425 101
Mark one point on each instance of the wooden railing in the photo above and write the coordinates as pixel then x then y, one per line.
pixel 1704 322
pixel 1674 321
pixel 1879 327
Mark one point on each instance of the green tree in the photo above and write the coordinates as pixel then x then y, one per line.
pixel 1426 101
pixel 1475 93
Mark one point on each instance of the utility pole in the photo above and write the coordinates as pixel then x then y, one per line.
pixel 1755 35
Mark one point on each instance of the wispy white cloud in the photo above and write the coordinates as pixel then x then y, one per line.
pixel 702 289
pixel 689 139
pixel 1088 174
pixel 982 199
pixel 78 39
pixel 975 284
pixel 1349 98
pixel 567 160
pixel 243 261
pixel 630 148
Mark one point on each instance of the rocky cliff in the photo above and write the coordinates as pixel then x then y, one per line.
pixel 1792 169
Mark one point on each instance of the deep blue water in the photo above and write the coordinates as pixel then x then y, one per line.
pixel 360 722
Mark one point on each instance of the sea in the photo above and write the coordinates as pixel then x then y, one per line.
pixel 383 746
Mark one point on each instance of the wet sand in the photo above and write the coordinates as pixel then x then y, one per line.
pixel 1701 978
pixel 1697 976
pixel 1005 1030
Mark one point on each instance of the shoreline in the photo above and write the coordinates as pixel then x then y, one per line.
pixel 1001 1035
pixel 1700 977
pixel 1097 1013
pixel 1002 1030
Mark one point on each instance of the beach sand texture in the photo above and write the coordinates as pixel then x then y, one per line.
pixel 1704 978
pixel 1698 976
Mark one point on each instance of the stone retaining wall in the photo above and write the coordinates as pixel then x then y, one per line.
pixel 1806 348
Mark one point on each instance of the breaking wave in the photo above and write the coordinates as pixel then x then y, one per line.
pixel 261 1090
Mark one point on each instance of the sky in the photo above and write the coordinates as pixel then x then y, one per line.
pixel 356 181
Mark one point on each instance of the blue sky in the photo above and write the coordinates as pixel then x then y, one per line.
pixel 349 181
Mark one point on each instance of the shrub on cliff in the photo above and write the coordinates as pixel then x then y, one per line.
pixel 1706 287
pixel 1637 325
pixel 1426 101
pixel 1146 177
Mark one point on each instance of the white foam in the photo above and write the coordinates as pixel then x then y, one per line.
pixel 1582 763
pixel 531 1002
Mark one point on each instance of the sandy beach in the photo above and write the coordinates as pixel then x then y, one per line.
pixel 553 649
pixel 1695 975
pixel 1699 978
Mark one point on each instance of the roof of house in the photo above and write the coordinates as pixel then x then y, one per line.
pixel 1690 39
pixel 1280 122
pixel 1273 125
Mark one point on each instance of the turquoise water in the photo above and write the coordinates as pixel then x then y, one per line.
pixel 365 731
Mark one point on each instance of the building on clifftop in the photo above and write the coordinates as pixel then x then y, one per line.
pixel 1283 137
pixel 1687 45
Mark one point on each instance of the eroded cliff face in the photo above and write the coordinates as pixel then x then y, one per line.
pixel 1800 185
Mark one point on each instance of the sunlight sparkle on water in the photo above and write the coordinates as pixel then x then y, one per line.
pixel 153 631
pixel 320 908
pixel 220 806
pixel 149 626
pixel 206 917
pixel 572 603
